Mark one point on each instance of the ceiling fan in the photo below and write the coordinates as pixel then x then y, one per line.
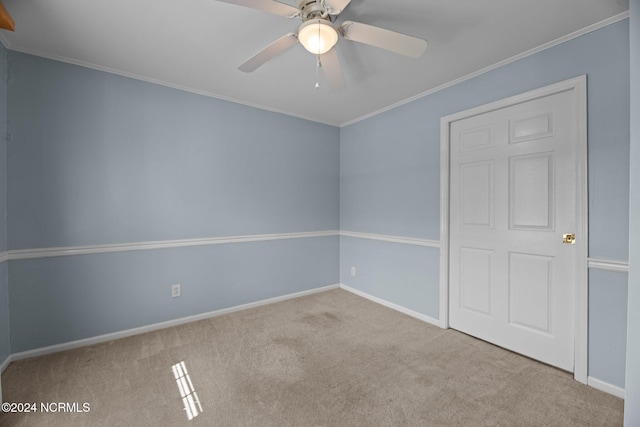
pixel 319 35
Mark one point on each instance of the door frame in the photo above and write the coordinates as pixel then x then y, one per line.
pixel 581 292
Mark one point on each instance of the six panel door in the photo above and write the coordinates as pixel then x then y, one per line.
pixel 512 197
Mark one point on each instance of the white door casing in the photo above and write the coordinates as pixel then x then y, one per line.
pixel 505 275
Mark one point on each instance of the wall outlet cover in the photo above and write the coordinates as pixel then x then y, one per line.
pixel 175 291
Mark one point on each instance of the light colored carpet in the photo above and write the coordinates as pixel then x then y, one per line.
pixel 330 359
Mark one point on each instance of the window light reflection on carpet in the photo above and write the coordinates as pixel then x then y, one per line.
pixel 188 393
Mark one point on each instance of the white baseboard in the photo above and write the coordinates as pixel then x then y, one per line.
pixel 606 387
pixel 4 364
pixel 154 327
pixel 394 306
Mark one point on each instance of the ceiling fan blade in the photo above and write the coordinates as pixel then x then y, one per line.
pixel 270 6
pixel 269 52
pixel 336 6
pixel 332 70
pixel 384 39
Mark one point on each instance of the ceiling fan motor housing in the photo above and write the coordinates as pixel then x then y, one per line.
pixel 313 9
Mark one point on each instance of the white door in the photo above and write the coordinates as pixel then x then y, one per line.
pixel 512 197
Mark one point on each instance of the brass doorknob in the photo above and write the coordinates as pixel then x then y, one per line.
pixel 569 239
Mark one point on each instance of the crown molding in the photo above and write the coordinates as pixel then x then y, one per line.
pixel 563 39
pixel 163 83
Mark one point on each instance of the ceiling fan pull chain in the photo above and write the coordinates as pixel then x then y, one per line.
pixel 318 65
pixel 318 57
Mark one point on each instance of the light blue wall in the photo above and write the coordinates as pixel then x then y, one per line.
pixel 56 300
pixel 5 345
pixel 390 165
pixel 96 158
pixel 390 173
pixel 632 396
pixel 607 325
pixel 3 148
pixel 393 271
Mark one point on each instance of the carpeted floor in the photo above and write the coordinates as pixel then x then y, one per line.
pixel 330 359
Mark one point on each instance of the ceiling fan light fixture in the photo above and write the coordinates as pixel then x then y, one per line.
pixel 318 36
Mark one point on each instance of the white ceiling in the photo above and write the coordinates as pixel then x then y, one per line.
pixel 197 45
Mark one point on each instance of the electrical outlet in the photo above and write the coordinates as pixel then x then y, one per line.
pixel 353 271
pixel 175 291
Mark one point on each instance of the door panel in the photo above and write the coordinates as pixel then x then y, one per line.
pixel 475 279
pixel 530 284
pixel 476 194
pixel 534 126
pixel 531 192
pixel 476 139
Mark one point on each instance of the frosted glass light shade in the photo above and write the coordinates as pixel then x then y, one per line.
pixel 317 36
